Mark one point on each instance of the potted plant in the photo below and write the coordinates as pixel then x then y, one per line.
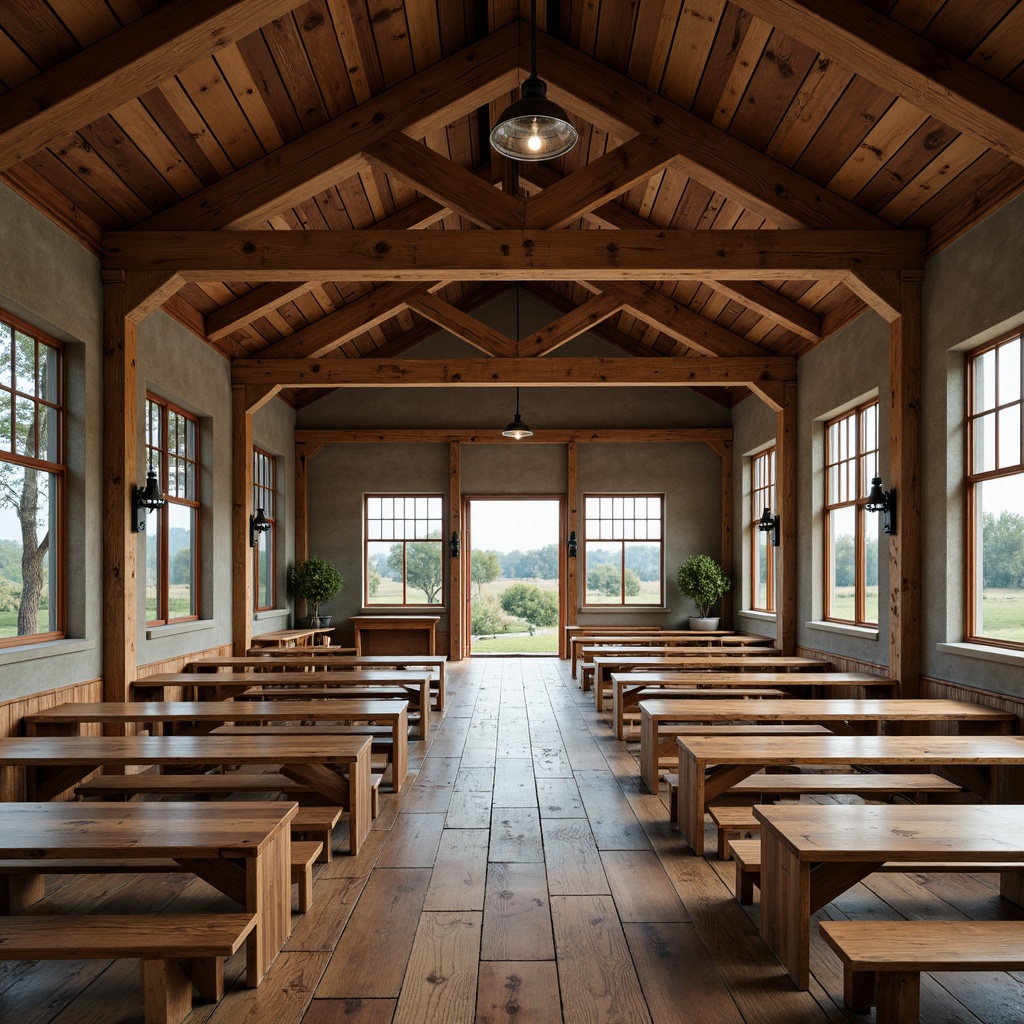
pixel 315 581
pixel 702 580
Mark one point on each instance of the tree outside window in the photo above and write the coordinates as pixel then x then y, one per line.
pixel 995 494
pixel 31 483
pixel 851 532
pixel 622 549
pixel 404 564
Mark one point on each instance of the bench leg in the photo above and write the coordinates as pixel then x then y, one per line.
pixel 304 878
pixel 207 973
pixel 20 891
pixel 744 885
pixel 898 997
pixel 858 989
pixel 168 991
pixel 723 843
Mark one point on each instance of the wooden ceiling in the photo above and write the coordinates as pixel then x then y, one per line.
pixel 820 146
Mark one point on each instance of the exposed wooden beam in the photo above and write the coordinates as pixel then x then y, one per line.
pixel 446 182
pixel 535 255
pixel 320 158
pixel 880 289
pixel 622 107
pixel 472 331
pixel 120 67
pixel 717 436
pixel 903 62
pixel 242 584
pixel 574 323
pixel 552 371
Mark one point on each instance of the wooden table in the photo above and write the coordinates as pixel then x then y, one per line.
pixel 811 853
pixel 395 634
pixel 288 659
pixel 709 766
pixel 204 715
pixel 242 849
pixel 303 637
pixel 665 638
pixel 53 764
pixel 836 714
pixel 225 685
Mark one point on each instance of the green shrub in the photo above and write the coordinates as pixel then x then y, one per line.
pixel 315 581
pixel 538 607
pixel 702 580
pixel 487 616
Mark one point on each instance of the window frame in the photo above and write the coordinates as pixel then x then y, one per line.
pixel 762 496
pixel 404 541
pixel 57 470
pixel 586 540
pixel 264 495
pixel 861 460
pixel 972 479
pixel 158 456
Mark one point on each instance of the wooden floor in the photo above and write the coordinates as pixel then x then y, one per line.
pixel 522 876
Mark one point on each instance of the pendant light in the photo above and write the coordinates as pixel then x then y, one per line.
pixel 533 127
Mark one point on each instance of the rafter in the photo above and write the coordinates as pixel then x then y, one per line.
pixel 472 331
pixel 902 62
pixel 537 255
pixel 574 323
pixel 120 67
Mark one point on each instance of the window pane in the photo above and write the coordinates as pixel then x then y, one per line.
pixel 6 402
pixel 643 574
pixel 181 561
pixel 423 572
pixel 264 576
pixel 384 574
pixel 842 564
pixel 152 566
pixel 985 381
pixel 6 342
pixel 760 570
pixel 1009 437
pixel 871 522
pixel 24 363
pixel 1009 371
pixel 604 573
pixel 984 443
pixel 999 594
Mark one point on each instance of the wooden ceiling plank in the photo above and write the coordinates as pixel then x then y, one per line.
pixel 121 67
pixel 258 302
pixel 320 158
pixel 748 59
pixel 704 152
pixel 249 96
pixel 472 331
pixel 137 123
pixel 445 182
pixel 580 320
pixel 774 306
pixel 597 183
pixel 551 371
pixel 537 255
pixel 362 72
pixel 689 51
pixel 902 62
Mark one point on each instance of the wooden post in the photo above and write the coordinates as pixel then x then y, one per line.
pixel 303 452
pixel 455 564
pixel 242 585
pixel 785 488
pixel 905 478
pixel 572 583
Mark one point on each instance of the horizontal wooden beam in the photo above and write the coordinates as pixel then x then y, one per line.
pixel 495 255
pixel 433 435
pixel 550 371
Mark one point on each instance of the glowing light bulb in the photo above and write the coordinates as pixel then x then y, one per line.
pixel 533 143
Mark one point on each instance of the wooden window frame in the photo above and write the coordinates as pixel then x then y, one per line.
pixel 57 470
pixel 623 601
pixel 972 479
pixel 158 456
pixel 404 541
pixel 865 465
pixel 264 495
pixel 762 496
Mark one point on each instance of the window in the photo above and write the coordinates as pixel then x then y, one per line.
pixel 32 476
pixel 995 495
pixel 264 470
pixel 172 533
pixel 851 533
pixel 623 549
pixel 404 563
pixel 762 553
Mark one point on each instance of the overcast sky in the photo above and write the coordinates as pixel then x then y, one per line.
pixel 513 525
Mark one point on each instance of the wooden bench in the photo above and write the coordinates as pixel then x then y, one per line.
pixel 152 784
pixel 303 856
pixel 178 951
pixel 626 711
pixel 883 960
pixel 746 853
pixel 768 788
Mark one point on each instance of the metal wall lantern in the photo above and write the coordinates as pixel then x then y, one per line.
pixel 455 545
pixel 146 499
pixel 572 547
pixel 884 502
pixel 258 524
pixel 770 524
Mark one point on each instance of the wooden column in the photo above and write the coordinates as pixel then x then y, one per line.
pixel 303 452
pixel 455 595
pixel 723 449
pixel 120 544
pixel 572 582
pixel 785 489
pixel 242 585
pixel 905 478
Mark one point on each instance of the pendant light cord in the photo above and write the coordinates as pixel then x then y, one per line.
pixel 533 38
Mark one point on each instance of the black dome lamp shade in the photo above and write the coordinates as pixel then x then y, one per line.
pixel 517 429
pixel 533 127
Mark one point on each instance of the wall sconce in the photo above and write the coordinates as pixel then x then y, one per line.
pixel 146 499
pixel 455 545
pixel 572 547
pixel 258 524
pixel 770 524
pixel 884 502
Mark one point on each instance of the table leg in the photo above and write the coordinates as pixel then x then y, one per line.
pixel 268 894
pixel 786 905
pixel 599 687
pixel 399 750
pixel 359 813
pixel 690 804
pixel 440 687
pixel 649 752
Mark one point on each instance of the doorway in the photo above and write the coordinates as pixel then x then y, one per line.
pixel 513 575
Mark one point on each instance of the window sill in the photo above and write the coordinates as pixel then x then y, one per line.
pixel 403 609
pixel 49 649
pixel 750 613
pixel 619 609
pixel 863 632
pixel 271 613
pixel 982 652
pixel 177 628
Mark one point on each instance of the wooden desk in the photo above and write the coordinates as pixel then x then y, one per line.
pixel 304 637
pixel 53 764
pixel 709 767
pixel 225 685
pixel 204 715
pixel 242 849
pixel 665 638
pixel 395 634
pixel 811 853
pixel 836 714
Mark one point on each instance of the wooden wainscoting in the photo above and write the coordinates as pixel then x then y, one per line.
pixel 842 664
pixel 178 665
pixel 12 711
